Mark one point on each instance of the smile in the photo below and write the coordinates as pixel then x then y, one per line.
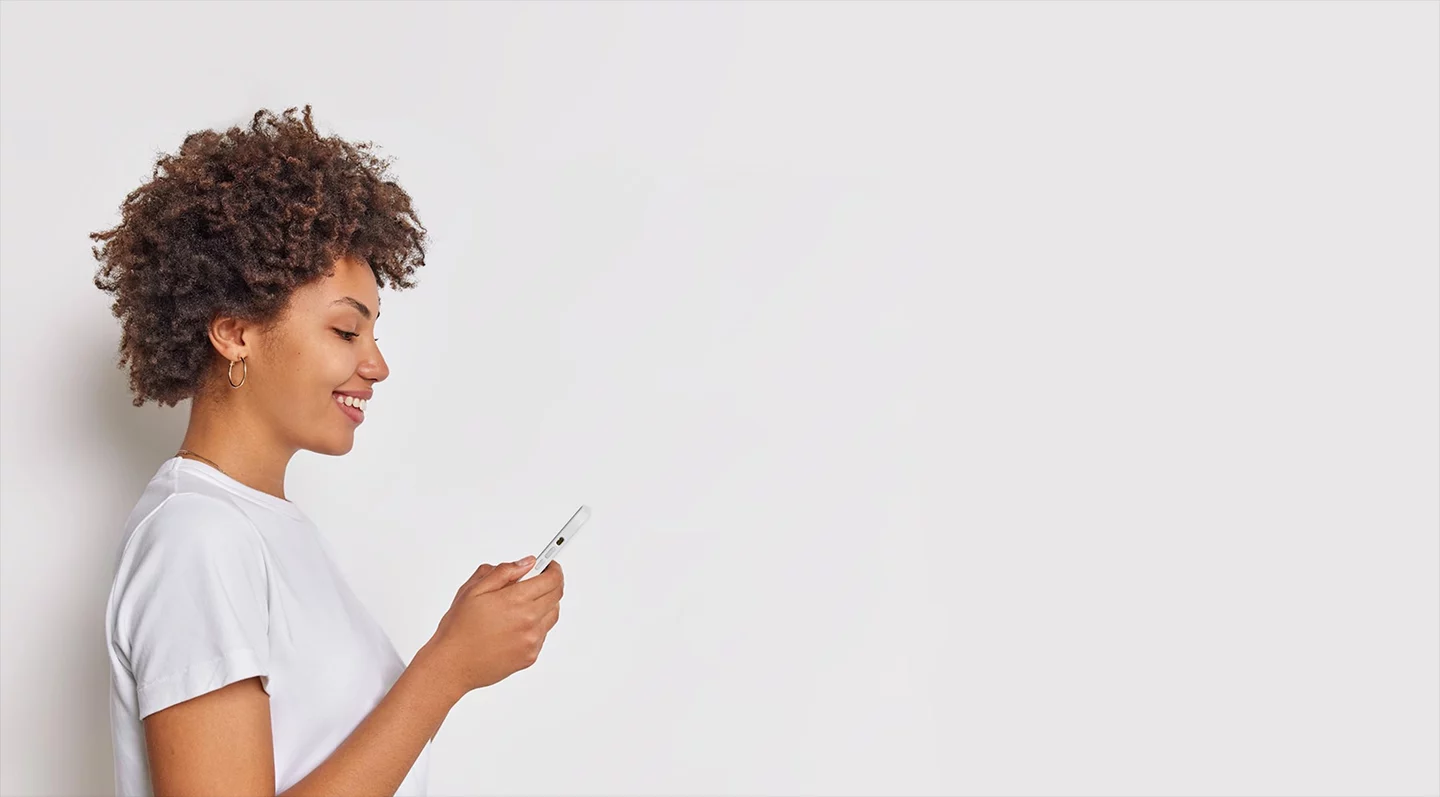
pixel 354 408
pixel 351 401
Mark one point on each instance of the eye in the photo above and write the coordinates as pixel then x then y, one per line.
pixel 349 336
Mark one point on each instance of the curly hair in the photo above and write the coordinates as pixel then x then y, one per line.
pixel 237 221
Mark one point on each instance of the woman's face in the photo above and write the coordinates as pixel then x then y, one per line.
pixel 322 349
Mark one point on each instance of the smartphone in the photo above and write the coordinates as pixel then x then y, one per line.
pixel 564 537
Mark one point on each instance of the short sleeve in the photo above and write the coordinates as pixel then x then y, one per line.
pixel 192 606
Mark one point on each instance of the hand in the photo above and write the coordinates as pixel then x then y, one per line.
pixel 496 625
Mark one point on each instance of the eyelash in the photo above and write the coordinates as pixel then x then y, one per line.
pixel 352 335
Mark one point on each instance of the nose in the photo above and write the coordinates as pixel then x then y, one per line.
pixel 374 368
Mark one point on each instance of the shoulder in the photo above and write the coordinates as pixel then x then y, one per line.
pixel 194 523
pixel 196 564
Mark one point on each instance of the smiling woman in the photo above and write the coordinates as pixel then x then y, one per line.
pixel 246 277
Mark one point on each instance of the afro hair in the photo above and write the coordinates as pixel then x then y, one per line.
pixel 232 225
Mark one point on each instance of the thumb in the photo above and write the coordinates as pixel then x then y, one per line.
pixel 504 574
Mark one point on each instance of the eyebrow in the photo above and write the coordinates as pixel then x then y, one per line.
pixel 365 311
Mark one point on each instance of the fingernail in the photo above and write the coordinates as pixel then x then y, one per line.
pixel 527 560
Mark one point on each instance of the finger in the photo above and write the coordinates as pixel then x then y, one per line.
pixel 536 587
pixel 473 580
pixel 551 618
pixel 505 574
pixel 480 573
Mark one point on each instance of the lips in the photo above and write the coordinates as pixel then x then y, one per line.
pixel 352 407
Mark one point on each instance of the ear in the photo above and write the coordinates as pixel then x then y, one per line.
pixel 232 337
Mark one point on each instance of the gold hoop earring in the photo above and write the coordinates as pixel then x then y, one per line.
pixel 230 373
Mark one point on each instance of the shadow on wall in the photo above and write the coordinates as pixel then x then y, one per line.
pixel 137 439
pixel 130 443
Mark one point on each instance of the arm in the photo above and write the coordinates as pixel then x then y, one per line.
pixel 220 742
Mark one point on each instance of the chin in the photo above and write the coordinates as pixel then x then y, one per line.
pixel 334 447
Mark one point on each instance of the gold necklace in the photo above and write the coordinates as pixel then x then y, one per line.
pixel 183 452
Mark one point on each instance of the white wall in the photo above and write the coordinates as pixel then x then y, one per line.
pixel 974 398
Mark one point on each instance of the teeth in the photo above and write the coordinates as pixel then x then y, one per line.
pixel 351 401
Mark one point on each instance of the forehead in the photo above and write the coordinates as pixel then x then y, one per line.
pixel 351 278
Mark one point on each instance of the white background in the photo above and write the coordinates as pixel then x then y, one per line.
pixel 974 398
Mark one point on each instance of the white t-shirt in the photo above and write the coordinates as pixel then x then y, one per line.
pixel 216 582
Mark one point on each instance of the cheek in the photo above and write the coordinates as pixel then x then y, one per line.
pixel 337 367
pixel 321 368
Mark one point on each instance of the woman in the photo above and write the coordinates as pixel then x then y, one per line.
pixel 246 276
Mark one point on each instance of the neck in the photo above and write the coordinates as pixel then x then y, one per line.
pixel 243 448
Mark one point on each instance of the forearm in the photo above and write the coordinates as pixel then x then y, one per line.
pixel 376 756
